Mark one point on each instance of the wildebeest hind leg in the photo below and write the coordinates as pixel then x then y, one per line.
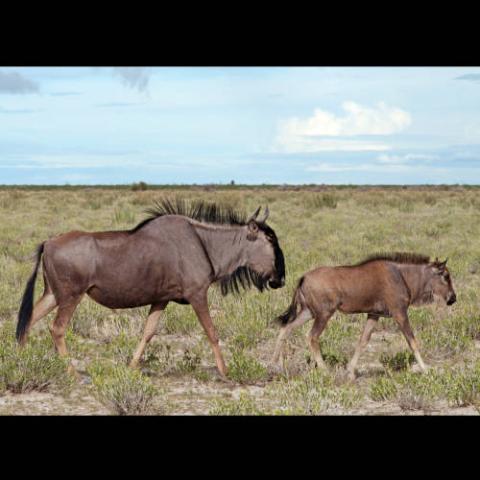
pixel 149 332
pixel 59 327
pixel 42 308
pixel 404 324
pixel 200 306
pixel 314 334
pixel 302 317
pixel 361 345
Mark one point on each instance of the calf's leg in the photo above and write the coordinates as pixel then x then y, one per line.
pixel 312 338
pixel 362 343
pixel 302 317
pixel 402 320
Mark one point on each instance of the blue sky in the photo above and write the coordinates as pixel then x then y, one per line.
pixel 252 125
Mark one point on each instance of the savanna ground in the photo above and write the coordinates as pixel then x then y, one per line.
pixel 315 226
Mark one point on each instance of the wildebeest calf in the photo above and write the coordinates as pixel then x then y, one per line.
pixel 381 286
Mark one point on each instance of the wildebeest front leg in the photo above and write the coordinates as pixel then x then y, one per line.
pixel 148 333
pixel 402 320
pixel 201 309
pixel 362 343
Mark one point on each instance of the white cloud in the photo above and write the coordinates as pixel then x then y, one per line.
pixel 409 158
pixel 364 167
pixel 315 133
pixel 294 144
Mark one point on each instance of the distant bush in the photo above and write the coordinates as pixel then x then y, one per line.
pixel 139 186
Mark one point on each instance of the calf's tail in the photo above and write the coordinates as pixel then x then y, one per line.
pixel 26 308
pixel 294 309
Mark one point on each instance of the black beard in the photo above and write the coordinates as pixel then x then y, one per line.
pixel 242 277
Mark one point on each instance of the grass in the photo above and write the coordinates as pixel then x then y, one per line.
pixel 316 225
pixel 398 361
pixel 245 405
pixel 244 368
pixel 459 386
pixel 314 394
pixel 124 390
pixel 33 368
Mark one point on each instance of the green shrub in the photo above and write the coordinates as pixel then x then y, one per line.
pixel 441 340
pixel 314 393
pixel 35 367
pixel 245 405
pixel 126 391
pixel 383 388
pixel 158 358
pixel 464 387
pixel 243 368
pixel 399 361
pixel 190 364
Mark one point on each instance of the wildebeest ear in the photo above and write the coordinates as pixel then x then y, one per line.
pixel 252 230
pixel 442 265
pixel 267 213
pixel 255 215
pixel 439 267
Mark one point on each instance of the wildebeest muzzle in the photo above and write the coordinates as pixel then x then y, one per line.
pixel 452 299
pixel 277 283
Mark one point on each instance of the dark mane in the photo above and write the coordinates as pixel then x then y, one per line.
pixel 197 210
pixel 242 277
pixel 397 257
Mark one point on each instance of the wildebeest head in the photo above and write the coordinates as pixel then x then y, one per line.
pixel 265 257
pixel 440 282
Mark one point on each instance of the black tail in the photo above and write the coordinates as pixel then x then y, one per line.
pixel 26 308
pixel 292 311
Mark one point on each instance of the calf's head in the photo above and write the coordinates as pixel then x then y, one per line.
pixel 440 282
pixel 264 255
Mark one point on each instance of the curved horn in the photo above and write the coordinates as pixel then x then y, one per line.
pixel 255 215
pixel 265 216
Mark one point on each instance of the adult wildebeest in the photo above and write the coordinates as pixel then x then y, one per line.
pixel 174 255
pixel 381 286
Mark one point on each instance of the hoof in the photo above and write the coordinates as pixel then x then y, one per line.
pixel 351 376
pixel 416 368
pixel 85 381
pixel 275 368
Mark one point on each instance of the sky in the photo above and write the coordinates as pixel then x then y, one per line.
pixel 272 125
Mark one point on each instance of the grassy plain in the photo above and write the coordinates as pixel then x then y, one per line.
pixel 315 226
